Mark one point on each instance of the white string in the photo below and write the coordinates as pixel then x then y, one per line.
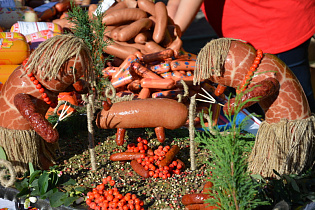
pixel 62 114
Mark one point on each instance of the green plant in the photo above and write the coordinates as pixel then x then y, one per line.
pixel 233 187
pixel 48 185
pixel 91 30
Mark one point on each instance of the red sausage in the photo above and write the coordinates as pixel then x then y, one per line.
pixel 160 23
pixel 63 5
pixel 183 65
pixel 125 156
pixel 204 206
pixel 134 85
pixel 38 122
pixel 139 169
pixel 160 134
pixel 197 198
pixel 166 113
pixel 123 16
pixel 207 187
pixel 157 83
pixel 158 56
pixel 169 156
pixel 120 136
pixel 168 93
pixel 143 71
pixel 161 68
pixel 219 90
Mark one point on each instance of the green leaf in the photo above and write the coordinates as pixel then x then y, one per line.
pixel 2 154
pixel 80 189
pixel 70 182
pixel 43 183
pixel 35 191
pixel 34 175
pixel 69 200
pixel 22 184
pixel 24 191
pixel 31 168
pixel 56 199
pixel 49 193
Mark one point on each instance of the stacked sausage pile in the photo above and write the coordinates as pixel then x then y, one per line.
pixel 160 163
pixel 147 50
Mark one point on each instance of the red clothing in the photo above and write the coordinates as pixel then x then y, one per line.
pixel 274 26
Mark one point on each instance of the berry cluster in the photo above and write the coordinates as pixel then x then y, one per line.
pixel 108 199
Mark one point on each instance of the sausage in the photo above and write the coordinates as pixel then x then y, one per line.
pixel 134 85
pixel 147 6
pixel 116 6
pixel 158 56
pixel 139 47
pixel 121 81
pixel 153 47
pixel 143 37
pixel 183 65
pixel 63 5
pixel 91 10
pixel 109 71
pixel 144 93
pixel 176 44
pixel 157 83
pixel 204 206
pixel 181 54
pixel 262 89
pixel 131 3
pixel 118 50
pixel 207 187
pixel 114 32
pixel 139 169
pixel 38 122
pixel 197 198
pixel 120 136
pixel 161 68
pixel 143 71
pixel 160 23
pixel 181 163
pixel 160 134
pixel 169 156
pixel 167 93
pixel 166 113
pixel 123 16
pixel 125 156
pixel 219 90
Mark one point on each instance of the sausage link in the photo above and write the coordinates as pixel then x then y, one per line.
pixel 139 169
pixel 125 156
pixel 158 56
pixel 160 23
pixel 133 29
pixel 120 136
pixel 38 122
pixel 197 198
pixel 123 16
pixel 169 156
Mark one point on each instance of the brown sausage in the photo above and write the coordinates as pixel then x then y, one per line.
pixel 204 206
pixel 143 71
pixel 125 156
pixel 197 198
pixel 143 37
pixel 157 83
pixel 160 134
pixel 63 5
pixel 158 56
pixel 108 30
pixel 139 169
pixel 163 112
pixel 114 32
pixel 116 6
pixel 160 23
pixel 144 93
pixel 120 136
pixel 118 50
pixel 123 16
pixel 38 122
pixel 169 156
pixel 147 6
pixel 176 44
pixel 207 187
pixel 91 10
pixel 134 85
pixel 153 47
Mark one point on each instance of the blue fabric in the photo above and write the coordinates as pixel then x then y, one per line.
pixel 297 60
